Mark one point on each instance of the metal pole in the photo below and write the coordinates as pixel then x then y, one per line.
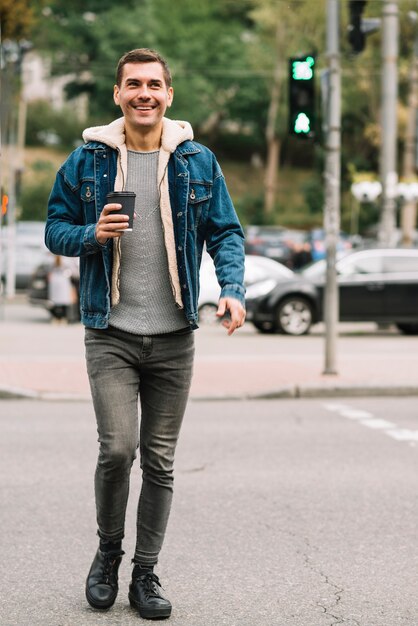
pixel 409 209
pixel 388 169
pixel 11 219
pixel 332 186
pixel 1 174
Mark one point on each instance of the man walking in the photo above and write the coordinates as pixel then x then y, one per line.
pixel 138 301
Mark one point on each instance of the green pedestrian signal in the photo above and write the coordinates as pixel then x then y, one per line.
pixel 302 96
pixel 302 124
pixel 303 70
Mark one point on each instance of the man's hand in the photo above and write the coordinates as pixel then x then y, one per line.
pixel 235 313
pixel 109 225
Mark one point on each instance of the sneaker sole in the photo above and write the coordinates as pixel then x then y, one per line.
pixel 146 613
pixel 97 605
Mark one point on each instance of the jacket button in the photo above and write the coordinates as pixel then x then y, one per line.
pixel 180 248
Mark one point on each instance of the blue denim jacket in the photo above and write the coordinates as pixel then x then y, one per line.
pixel 202 211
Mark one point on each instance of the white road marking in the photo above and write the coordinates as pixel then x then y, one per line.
pixel 378 424
pixel 367 419
pixel 402 434
pixel 336 407
pixel 353 414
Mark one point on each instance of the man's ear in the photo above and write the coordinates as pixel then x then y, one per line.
pixel 116 94
pixel 170 96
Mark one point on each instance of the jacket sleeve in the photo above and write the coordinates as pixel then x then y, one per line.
pixel 66 230
pixel 225 239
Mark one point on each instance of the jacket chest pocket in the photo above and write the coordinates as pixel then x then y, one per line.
pixel 198 202
pixel 88 196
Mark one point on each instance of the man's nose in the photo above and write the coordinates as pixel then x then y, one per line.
pixel 144 93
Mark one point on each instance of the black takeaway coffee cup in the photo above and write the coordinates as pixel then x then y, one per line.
pixel 127 200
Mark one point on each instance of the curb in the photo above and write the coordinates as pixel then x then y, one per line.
pixel 311 391
pixel 292 391
pixel 17 393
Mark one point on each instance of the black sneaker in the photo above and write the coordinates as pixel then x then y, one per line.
pixel 102 580
pixel 146 597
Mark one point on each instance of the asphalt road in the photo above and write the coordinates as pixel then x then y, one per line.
pixel 286 513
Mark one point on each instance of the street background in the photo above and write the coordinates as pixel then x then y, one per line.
pixel 296 493
pixel 39 359
pixel 287 512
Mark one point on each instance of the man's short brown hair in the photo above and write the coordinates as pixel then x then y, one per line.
pixel 143 55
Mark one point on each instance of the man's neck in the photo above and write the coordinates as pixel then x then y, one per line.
pixel 143 142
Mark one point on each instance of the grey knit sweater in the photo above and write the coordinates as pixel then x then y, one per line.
pixel 147 305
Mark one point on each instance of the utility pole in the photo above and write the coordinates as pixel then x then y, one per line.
pixel 273 142
pixel 409 209
pixel 332 185
pixel 388 169
pixel 13 53
pixel 1 173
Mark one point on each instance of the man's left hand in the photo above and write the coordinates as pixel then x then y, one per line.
pixel 235 312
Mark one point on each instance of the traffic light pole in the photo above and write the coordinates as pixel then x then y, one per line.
pixel 409 209
pixel 332 185
pixel 388 169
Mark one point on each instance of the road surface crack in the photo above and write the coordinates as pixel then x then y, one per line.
pixel 329 608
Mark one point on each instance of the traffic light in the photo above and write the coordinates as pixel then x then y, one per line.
pixel 302 96
pixel 359 27
pixel 356 36
pixel 4 204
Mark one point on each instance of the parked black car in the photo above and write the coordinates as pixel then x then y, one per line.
pixel 376 285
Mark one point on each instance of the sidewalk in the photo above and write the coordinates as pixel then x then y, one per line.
pixel 41 360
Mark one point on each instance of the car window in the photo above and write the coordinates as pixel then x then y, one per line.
pixel 261 268
pixel 360 264
pixel 315 270
pixel 401 263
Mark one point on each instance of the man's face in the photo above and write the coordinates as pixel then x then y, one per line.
pixel 143 95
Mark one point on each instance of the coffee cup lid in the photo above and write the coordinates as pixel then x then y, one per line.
pixel 121 193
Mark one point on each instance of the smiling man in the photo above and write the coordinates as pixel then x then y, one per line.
pixel 138 301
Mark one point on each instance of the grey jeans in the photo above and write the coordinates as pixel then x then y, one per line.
pixel 158 369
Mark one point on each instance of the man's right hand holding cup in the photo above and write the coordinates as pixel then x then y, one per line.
pixel 110 224
pixel 117 216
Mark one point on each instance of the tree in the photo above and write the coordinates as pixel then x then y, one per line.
pixel 16 18
pixel 203 42
pixel 276 25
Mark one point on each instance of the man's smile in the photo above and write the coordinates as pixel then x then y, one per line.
pixel 144 107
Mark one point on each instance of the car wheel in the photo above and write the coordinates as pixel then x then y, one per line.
pixel 207 314
pixel 294 316
pixel 408 329
pixel 264 327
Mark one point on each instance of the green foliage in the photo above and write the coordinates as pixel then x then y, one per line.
pixel 34 196
pixel 223 55
pixel 313 193
pixel 47 125
pixel 203 42
pixel 250 209
pixel 17 18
